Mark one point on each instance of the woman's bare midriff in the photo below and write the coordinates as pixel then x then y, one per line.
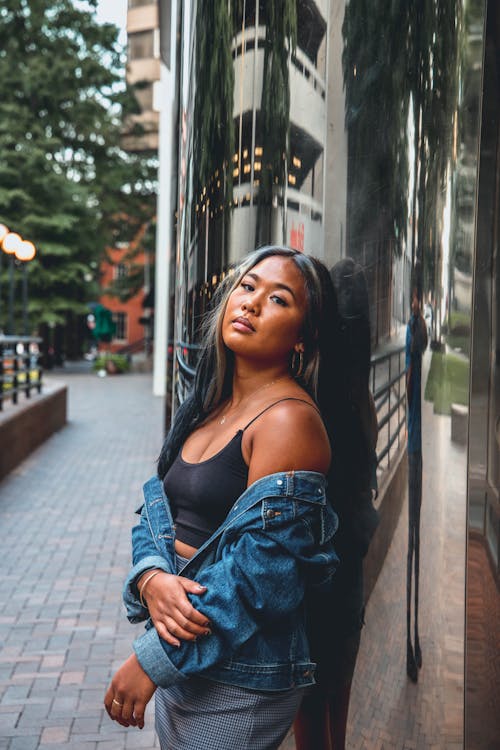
pixel 184 550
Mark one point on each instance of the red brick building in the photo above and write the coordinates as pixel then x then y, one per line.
pixel 130 333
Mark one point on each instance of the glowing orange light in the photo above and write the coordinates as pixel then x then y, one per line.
pixel 26 251
pixel 11 242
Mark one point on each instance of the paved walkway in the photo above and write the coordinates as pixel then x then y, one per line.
pixel 65 516
pixel 388 712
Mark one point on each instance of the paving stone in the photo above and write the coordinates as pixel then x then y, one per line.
pixel 25 743
pixel 26 668
pixel 15 694
pixel 9 720
pixel 141 739
pixel 54 735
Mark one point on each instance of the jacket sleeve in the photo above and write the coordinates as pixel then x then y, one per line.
pixel 259 579
pixel 146 554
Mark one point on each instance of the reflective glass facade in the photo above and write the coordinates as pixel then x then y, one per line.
pixel 345 133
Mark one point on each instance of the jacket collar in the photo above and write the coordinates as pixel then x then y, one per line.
pixel 305 486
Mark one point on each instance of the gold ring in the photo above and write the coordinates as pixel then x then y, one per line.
pixel 117 702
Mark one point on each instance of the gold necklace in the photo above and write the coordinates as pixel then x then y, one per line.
pixel 260 388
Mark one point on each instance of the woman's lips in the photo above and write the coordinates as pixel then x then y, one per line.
pixel 243 324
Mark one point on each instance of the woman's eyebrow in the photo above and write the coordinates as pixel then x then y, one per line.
pixel 277 284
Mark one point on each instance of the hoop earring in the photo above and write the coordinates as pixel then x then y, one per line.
pixel 297 370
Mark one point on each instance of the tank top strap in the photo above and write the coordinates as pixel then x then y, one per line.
pixel 287 398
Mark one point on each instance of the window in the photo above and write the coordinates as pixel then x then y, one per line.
pixel 120 319
pixel 120 271
pixel 144 96
pixel 141 45
pixel 139 3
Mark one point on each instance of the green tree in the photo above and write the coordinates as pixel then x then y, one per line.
pixel 377 100
pixel 65 183
pixel 400 66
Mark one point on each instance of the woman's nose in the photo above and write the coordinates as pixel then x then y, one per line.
pixel 250 304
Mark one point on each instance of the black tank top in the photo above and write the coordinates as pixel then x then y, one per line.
pixel 202 494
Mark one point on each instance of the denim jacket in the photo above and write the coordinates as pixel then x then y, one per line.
pixel 276 539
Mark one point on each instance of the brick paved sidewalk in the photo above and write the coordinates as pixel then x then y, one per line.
pixel 387 711
pixel 65 519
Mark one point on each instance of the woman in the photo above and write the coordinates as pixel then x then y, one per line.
pixel 243 469
pixel 322 718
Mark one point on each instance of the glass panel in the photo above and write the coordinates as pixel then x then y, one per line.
pixel 342 132
pixel 483 572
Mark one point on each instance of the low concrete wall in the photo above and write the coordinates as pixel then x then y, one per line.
pixel 25 426
pixel 389 507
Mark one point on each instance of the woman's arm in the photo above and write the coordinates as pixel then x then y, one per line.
pixel 289 437
pixel 164 596
pixel 246 588
pixel 173 615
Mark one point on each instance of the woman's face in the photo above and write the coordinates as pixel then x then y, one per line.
pixel 265 312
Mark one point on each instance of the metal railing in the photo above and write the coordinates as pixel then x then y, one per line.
pixel 388 387
pixel 387 378
pixel 20 370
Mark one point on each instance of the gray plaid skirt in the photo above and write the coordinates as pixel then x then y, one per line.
pixel 199 714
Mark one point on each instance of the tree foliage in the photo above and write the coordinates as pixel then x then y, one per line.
pixel 65 183
pixel 400 66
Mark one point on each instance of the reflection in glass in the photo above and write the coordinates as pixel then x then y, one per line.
pixel 346 132
pixel 482 718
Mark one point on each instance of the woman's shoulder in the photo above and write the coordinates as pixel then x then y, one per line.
pixel 288 435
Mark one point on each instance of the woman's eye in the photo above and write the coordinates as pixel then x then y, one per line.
pixel 246 286
pixel 279 300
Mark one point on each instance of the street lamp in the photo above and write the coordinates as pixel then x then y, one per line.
pixel 13 245
pixel 3 232
pixel 10 243
pixel 24 253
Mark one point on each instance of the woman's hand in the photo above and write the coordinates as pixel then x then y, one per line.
pixel 172 613
pixel 130 691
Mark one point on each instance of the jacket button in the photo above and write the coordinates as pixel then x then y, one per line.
pixel 270 513
pixel 279 482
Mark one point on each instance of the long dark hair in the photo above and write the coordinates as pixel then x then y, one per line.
pixel 322 377
pixel 354 461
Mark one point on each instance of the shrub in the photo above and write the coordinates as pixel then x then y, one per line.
pixel 112 363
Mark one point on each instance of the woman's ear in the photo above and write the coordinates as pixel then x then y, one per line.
pixel 299 347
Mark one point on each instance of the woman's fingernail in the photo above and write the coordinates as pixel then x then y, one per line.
pixel 199 587
pixel 208 632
